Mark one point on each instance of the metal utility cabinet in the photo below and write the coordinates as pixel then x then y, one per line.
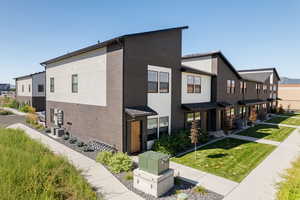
pixel 154 162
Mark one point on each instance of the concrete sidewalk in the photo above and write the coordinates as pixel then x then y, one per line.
pixel 15 111
pixel 260 184
pixel 252 139
pixel 96 174
pixel 292 126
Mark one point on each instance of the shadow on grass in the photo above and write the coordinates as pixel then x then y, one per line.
pixel 259 131
pixel 218 155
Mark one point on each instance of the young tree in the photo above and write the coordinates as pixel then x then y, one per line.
pixel 195 134
pixel 253 115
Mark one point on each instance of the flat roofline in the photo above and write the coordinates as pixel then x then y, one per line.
pixel 103 44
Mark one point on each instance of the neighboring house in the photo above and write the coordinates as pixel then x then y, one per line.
pixel 4 87
pixel 234 93
pixel 290 96
pixel 30 89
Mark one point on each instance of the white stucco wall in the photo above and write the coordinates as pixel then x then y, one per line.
pixel 161 102
pixel 201 63
pixel 26 82
pixel 38 79
pixel 204 96
pixel 91 70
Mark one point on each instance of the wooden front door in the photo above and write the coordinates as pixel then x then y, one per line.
pixel 135 136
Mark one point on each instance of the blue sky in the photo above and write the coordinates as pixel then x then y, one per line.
pixel 256 33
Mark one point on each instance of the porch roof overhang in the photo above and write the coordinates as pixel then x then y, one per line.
pixel 140 111
pixel 251 102
pixel 199 106
pixel 224 104
pixel 272 99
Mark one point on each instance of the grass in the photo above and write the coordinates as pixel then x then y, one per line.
pixel 270 132
pixel 30 171
pixel 289 188
pixel 291 114
pixel 285 120
pixel 230 158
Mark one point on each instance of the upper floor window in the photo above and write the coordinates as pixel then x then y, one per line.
pixel 74 83
pixel 230 87
pixel 22 88
pixel 265 88
pixel 274 88
pixel 40 88
pixel 51 84
pixel 243 87
pixel 193 84
pixel 29 88
pixel 271 87
pixel 163 82
pixel 152 81
pixel 258 87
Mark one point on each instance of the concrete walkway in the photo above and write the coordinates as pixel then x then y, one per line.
pixel 211 182
pixel 260 184
pixel 292 126
pixel 15 111
pixel 252 139
pixel 96 174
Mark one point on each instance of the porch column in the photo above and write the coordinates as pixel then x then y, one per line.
pixel 203 116
pixel 218 119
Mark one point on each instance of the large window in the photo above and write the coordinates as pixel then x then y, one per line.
pixel 163 82
pixel 40 88
pixel 74 83
pixel 51 84
pixel 152 81
pixel 190 117
pixel 152 129
pixel 193 84
pixel 230 88
pixel 163 126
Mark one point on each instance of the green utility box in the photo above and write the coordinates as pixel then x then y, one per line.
pixel 153 162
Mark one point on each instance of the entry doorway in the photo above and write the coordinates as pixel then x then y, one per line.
pixel 135 136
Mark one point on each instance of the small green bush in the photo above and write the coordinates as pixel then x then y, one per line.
pixel 120 162
pixel 128 176
pixel 27 109
pixel 5 112
pixel 80 144
pixel 14 104
pixel 199 189
pixel 104 157
pixel 73 140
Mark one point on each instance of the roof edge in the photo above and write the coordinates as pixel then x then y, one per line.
pixel 29 75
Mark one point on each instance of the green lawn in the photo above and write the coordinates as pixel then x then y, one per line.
pixel 285 120
pixel 270 132
pixel 29 171
pixel 292 114
pixel 230 158
pixel 289 188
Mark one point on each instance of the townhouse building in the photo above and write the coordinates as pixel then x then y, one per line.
pixel 235 93
pixel 131 90
pixel 30 89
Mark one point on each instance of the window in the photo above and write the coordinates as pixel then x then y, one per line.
pixel 193 84
pixel 29 88
pixel 197 82
pixel 257 88
pixel 192 117
pixel 163 126
pixel 152 81
pixel 163 82
pixel 40 88
pixel 230 112
pixel 265 88
pixel 274 88
pixel 22 88
pixel 152 129
pixel 243 87
pixel 51 115
pixel 230 87
pixel 51 84
pixel 190 84
pixel 74 83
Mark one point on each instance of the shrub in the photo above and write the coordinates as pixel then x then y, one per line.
pixel 128 176
pixel 120 162
pixel 13 104
pixel 66 137
pixel 27 109
pixel 199 189
pixel 104 157
pixel 73 140
pixel 80 144
pixel 31 119
pixel 280 109
pixel 5 112
pixel 173 144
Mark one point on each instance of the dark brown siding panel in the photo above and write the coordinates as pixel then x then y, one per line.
pixel 39 103
pixel 97 122
pixel 158 49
